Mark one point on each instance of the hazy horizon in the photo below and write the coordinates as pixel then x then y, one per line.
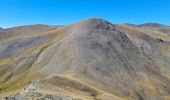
pixel 75 22
pixel 62 12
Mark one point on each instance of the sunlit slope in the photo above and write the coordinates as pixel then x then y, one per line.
pixel 91 59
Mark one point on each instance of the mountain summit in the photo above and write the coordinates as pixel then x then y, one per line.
pixel 89 60
pixel 95 23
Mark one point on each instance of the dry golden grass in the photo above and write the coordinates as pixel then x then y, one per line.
pixel 147 85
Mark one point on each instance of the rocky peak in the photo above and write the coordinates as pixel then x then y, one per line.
pixel 96 23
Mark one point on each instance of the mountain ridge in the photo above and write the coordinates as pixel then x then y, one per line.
pixel 88 60
pixel 95 19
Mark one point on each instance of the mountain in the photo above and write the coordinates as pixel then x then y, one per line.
pixel 1 28
pixel 152 25
pixel 89 60
pixel 156 26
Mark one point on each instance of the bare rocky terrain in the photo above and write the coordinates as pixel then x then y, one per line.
pixel 89 60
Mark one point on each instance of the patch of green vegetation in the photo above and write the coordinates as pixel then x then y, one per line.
pixel 15 80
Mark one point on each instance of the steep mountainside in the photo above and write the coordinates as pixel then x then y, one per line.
pixel 89 60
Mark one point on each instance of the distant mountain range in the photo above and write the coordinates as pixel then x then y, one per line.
pixel 89 60
pixel 1 28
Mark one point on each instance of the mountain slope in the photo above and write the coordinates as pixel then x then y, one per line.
pixel 91 59
pixel 157 26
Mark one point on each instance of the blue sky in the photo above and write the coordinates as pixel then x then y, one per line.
pixel 58 12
